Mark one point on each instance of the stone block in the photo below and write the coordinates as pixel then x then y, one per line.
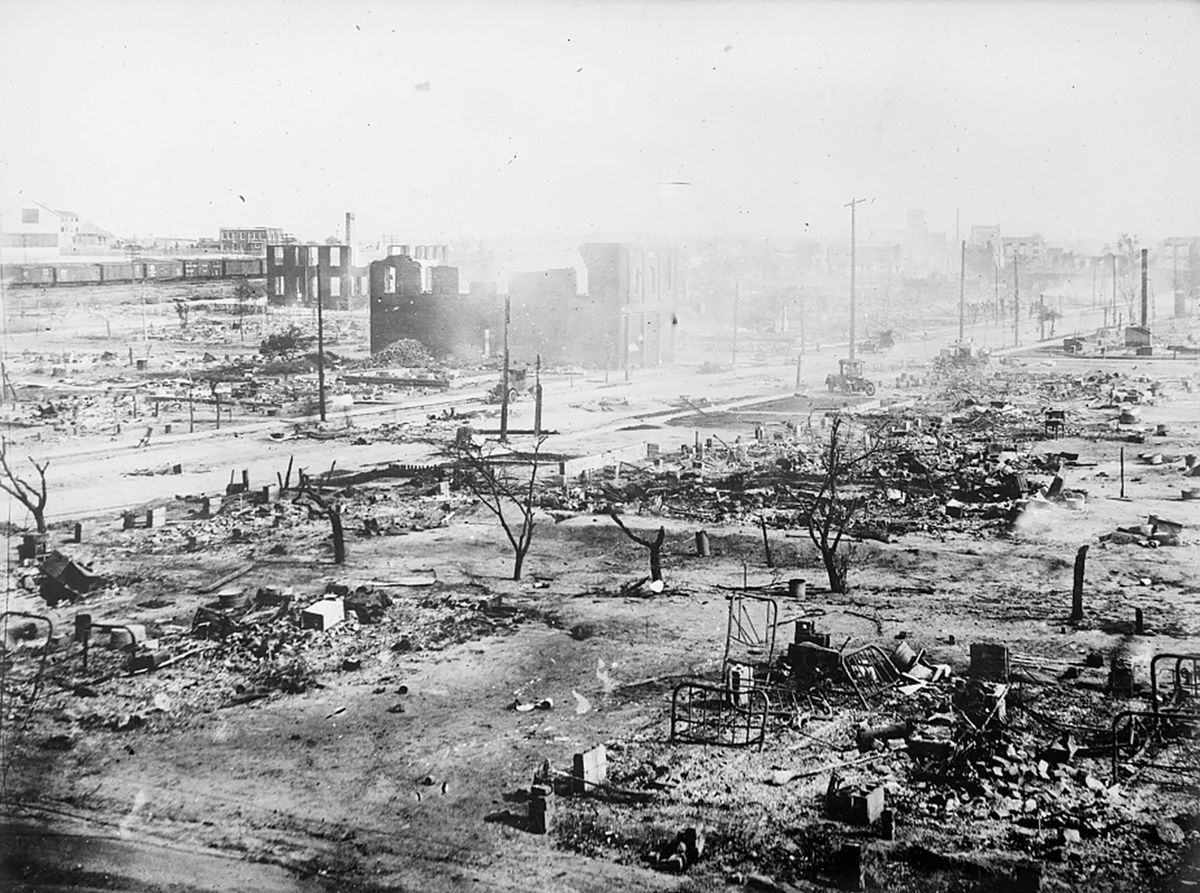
pixel 156 517
pixel 862 806
pixel 590 769
pixel 541 813
pixel 989 661
pixel 323 615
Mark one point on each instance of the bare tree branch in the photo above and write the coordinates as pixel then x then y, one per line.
pixel 332 511
pixel 655 545
pixel 491 486
pixel 33 498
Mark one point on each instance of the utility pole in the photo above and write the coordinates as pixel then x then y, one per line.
pixel 996 295
pixel 1175 279
pixel 504 376
pixel 962 287
pixel 737 294
pixel 853 203
pixel 320 343
pixel 1016 298
pixel 1113 256
pixel 1145 298
pixel 800 352
pixel 537 398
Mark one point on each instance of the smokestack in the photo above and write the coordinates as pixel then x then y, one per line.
pixel 349 228
pixel 1145 301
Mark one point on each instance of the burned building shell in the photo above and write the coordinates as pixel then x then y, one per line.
pixel 625 319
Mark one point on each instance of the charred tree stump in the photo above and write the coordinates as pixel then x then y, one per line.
pixel 1077 592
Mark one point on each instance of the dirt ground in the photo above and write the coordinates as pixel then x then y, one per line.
pixel 390 754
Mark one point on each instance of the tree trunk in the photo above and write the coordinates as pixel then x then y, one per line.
pixel 339 535
pixel 656 561
pixel 39 518
pixel 835 572
pixel 518 560
pixel 655 546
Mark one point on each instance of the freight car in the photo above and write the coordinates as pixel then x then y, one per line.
pixel 118 272
pixel 77 274
pixel 163 270
pixel 111 272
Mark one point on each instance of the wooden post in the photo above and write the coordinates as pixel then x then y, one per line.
pixel 537 399
pixel 504 377
pixel 1139 622
pixel 1122 472
pixel 762 520
pixel 1077 592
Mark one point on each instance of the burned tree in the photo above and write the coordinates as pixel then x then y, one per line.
pixel 480 470
pixel 833 509
pixel 331 509
pixel 655 545
pixel 33 498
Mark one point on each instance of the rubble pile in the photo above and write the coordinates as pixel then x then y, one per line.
pixel 1021 756
pixel 407 353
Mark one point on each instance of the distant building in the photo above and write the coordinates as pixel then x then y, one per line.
pixel 444 281
pixel 90 237
pixel 32 232
pixel 1178 262
pixel 427 256
pixel 627 316
pixel 982 236
pixel 634 292
pixel 479 291
pixel 249 240
pixel 922 253
pixel 299 274
pixel 68 228
pixel 1022 247
pixel 400 308
pixel 872 263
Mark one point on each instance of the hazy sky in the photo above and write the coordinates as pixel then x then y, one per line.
pixel 562 121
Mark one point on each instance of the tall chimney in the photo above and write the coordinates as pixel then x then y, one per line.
pixel 349 227
pixel 1145 301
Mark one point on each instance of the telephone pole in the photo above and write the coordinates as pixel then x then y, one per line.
pixel 320 345
pixel 1145 295
pixel 962 287
pixel 504 377
pixel 852 205
pixel 1016 299
pixel 1114 287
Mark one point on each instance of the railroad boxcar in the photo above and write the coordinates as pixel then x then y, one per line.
pixel 117 272
pixel 77 274
pixel 201 269
pixel 34 274
pixel 236 268
pixel 163 270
